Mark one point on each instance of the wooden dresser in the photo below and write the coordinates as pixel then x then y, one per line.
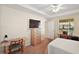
pixel 35 36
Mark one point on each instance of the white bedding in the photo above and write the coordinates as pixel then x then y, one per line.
pixel 63 46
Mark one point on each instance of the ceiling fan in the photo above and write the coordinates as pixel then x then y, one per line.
pixel 56 7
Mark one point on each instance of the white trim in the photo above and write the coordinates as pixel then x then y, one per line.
pixel 65 13
pixel 34 9
pixel 46 15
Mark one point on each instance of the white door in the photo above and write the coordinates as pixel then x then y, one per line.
pixel 50 30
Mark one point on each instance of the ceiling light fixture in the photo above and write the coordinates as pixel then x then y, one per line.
pixel 56 7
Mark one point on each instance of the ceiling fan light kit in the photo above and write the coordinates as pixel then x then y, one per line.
pixel 56 7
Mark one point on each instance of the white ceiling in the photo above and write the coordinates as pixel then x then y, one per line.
pixel 45 10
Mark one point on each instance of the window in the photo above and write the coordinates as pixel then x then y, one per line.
pixel 67 26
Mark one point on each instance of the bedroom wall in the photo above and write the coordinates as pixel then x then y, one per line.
pixel 15 22
pixel 0 19
pixel 55 20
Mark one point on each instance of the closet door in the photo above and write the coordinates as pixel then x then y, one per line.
pixel 50 30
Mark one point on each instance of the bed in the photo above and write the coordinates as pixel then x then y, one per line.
pixel 63 46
